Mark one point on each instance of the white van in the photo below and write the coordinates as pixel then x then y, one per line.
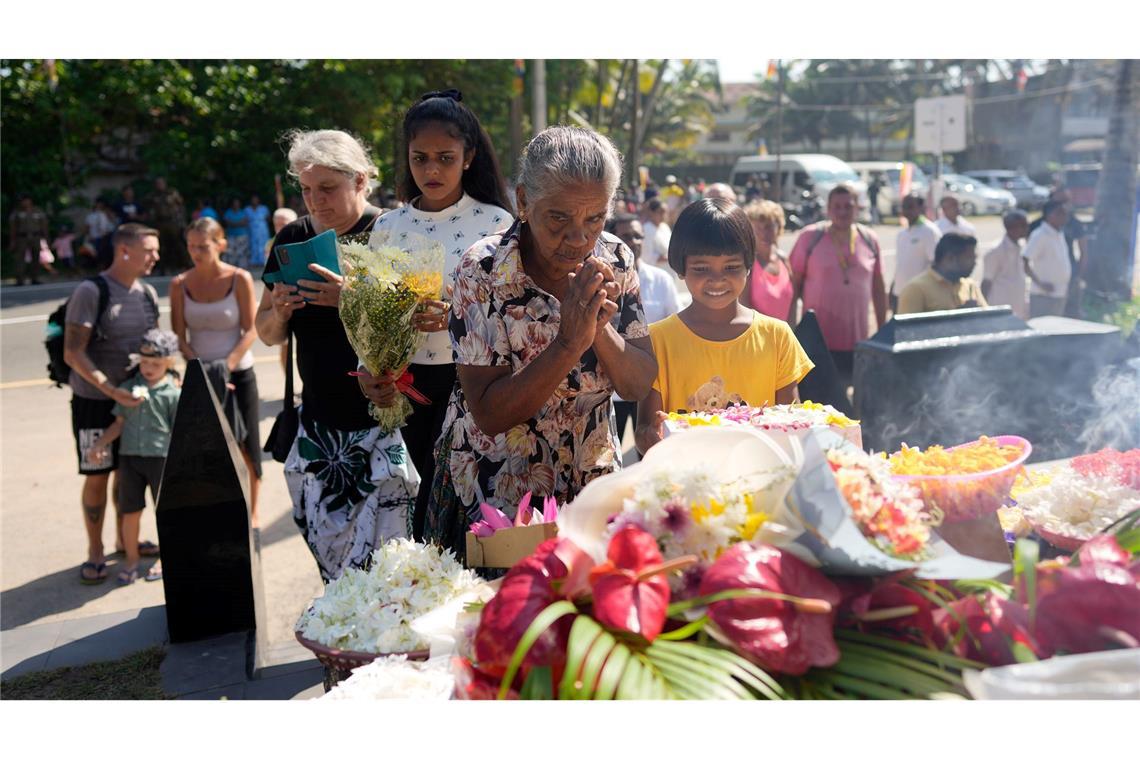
pixel 890 171
pixel 817 172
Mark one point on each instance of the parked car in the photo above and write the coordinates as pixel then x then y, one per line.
pixel 891 170
pixel 976 198
pixel 1028 193
pixel 1081 180
pixel 816 172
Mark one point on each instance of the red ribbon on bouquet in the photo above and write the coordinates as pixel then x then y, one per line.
pixel 404 385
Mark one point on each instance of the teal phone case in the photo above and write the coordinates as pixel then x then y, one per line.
pixel 293 259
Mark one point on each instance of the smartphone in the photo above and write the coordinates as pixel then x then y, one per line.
pixel 293 259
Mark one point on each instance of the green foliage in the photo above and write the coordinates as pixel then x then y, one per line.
pixel 877 667
pixel 600 665
pixel 1123 314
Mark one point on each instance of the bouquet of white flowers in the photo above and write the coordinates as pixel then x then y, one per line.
pixel 384 284
pixel 373 610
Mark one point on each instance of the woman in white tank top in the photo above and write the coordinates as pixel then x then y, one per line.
pixel 212 309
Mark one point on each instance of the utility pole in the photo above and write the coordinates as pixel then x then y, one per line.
pixel 635 87
pixel 538 97
pixel 779 178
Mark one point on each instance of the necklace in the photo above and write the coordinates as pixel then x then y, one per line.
pixel 844 261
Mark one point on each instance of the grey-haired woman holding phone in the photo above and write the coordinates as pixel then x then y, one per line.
pixel 351 486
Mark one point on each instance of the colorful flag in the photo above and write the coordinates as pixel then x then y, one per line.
pixel 772 70
pixel 904 179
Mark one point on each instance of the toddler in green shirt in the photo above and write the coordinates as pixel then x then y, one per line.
pixel 143 429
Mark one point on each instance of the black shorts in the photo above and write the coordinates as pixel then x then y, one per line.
pixel 135 474
pixel 249 407
pixel 89 418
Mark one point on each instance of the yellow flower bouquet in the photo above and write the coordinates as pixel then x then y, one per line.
pixel 384 284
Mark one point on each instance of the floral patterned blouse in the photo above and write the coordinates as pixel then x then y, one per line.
pixel 502 318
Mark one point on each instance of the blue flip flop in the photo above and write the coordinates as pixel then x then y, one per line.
pixel 100 569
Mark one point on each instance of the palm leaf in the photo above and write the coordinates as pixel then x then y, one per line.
pixel 600 665
pixel 877 667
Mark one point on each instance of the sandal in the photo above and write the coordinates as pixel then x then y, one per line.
pixel 155 572
pixel 127 577
pixel 100 570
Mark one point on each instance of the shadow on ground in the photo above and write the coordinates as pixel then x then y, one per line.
pixel 55 593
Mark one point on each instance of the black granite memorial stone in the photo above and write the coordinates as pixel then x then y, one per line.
pixel 211 570
pixel 948 377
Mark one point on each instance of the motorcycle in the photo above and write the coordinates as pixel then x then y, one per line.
pixel 800 215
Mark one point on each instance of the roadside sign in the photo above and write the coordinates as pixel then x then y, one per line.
pixel 940 124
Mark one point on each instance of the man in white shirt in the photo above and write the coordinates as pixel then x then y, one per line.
pixel 1047 263
pixel 657 234
pixel 952 220
pixel 658 296
pixel 914 246
pixel 1003 281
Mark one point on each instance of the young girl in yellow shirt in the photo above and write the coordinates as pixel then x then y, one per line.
pixel 717 351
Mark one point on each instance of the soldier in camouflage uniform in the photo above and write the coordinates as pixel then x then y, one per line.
pixel 27 226
pixel 168 215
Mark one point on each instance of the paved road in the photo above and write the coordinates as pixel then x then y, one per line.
pixel 42 537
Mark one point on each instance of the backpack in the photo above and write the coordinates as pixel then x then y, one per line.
pixel 819 233
pixel 59 372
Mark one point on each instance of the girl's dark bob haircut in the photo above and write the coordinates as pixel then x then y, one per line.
pixel 482 180
pixel 711 227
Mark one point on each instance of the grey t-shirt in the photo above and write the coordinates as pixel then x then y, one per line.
pixel 128 316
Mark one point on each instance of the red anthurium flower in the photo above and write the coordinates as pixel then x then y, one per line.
pixel 1090 608
pixel 781 636
pixel 983 640
pixel 527 589
pixel 473 684
pixel 630 589
pixel 1104 549
pixel 886 606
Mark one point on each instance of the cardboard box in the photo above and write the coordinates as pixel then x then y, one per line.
pixel 507 546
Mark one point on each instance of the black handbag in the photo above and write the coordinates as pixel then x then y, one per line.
pixel 284 431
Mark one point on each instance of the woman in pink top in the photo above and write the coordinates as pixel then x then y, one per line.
pixel 769 287
pixel 836 270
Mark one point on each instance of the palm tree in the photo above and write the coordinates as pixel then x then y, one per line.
pixel 1111 257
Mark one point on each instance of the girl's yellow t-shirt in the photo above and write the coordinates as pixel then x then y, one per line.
pixel 697 374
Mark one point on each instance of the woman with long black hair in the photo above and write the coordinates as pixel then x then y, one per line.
pixel 453 193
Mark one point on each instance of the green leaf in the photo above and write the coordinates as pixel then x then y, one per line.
pixel 739 667
pixel 537 684
pixel 1025 556
pixel 703 679
pixel 685 631
pixel 612 673
pixel 1022 653
pixel 930 655
pixel 537 627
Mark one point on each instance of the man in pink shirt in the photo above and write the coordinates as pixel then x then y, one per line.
pixel 837 271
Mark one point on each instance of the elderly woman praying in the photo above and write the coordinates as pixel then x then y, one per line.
pixel 546 324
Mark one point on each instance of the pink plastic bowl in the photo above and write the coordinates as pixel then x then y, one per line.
pixel 968 497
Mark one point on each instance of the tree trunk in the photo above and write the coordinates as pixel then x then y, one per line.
pixel 615 114
pixel 647 111
pixel 603 79
pixel 1111 255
